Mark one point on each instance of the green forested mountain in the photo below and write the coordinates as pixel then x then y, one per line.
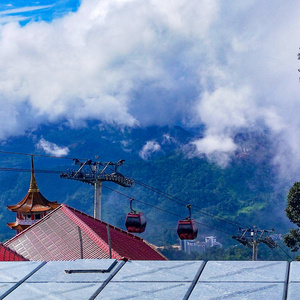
pixel 248 192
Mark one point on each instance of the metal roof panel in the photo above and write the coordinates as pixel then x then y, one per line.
pixel 294 271
pixel 238 291
pixel 255 271
pixel 59 291
pixel 94 270
pixel 144 290
pixel 159 271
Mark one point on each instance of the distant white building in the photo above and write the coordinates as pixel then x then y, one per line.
pixel 190 246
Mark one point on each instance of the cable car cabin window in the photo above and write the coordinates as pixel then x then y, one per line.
pixel 135 222
pixel 187 229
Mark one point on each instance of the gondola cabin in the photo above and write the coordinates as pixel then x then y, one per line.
pixel 187 229
pixel 135 222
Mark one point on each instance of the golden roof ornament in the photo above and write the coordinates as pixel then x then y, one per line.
pixel 33 184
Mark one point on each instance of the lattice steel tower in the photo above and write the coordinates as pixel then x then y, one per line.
pixel 94 173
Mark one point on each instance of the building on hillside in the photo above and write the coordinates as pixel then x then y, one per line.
pixel 190 246
pixel 32 207
pixel 69 234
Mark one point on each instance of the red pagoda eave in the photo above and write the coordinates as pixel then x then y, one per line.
pixel 17 226
pixel 33 202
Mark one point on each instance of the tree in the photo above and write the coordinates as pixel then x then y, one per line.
pixel 292 239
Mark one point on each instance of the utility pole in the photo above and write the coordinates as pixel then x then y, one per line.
pixel 254 250
pixel 252 237
pixel 94 173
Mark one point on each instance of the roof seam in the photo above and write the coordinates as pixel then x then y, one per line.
pixel 90 232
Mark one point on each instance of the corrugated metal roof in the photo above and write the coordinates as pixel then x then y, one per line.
pixel 6 254
pixel 68 234
pixel 109 279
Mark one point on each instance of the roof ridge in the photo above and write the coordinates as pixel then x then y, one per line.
pixel 67 210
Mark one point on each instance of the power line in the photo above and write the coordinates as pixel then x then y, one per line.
pixel 38 155
pixel 29 170
pixel 205 225
pixel 184 203
pixel 161 193
pixel 284 252
pixel 166 195
pixel 161 209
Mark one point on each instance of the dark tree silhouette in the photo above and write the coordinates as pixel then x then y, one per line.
pixel 292 239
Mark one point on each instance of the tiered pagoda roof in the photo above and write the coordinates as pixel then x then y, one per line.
pixel 33 202
pixel 68 234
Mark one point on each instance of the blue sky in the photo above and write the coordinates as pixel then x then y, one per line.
pixel 28 11
pixel 228 65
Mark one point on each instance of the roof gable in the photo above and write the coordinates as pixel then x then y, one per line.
pixel 68 234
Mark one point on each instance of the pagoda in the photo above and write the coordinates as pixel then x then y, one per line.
pixel 32 208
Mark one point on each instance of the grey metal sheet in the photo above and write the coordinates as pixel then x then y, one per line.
pixel 294 271
pixel 239 291
pixel 5 287
pixel 255 271
pixel 14 271
pixel 162 271
pixel 57 291
pixel 54 271
pixel 293 291
pixel 144 290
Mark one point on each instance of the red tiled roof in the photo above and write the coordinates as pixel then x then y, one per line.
pixel 68 234
pixel 6 254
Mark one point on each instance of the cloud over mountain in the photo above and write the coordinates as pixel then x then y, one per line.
pixel 227 65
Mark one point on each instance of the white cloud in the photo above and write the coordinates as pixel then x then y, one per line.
pixel 148 149
pixel 110 61
pixel 52 148
pixel 225 64
pixel 216 148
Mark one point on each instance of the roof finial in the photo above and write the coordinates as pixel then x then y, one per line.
pixel 33 185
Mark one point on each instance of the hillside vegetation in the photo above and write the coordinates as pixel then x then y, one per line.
pixel 246 193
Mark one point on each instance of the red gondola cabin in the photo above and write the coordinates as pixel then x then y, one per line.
pixel 135 222
pixel 187 229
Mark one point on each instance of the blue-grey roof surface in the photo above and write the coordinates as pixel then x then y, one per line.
pixel 112 279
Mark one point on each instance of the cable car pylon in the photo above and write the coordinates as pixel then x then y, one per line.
pixel 94 173
pixel 251 237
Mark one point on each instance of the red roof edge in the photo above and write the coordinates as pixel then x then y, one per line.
pixel 7 254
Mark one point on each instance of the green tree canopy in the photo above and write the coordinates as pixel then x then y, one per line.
pixel 292 239
pixel 293 206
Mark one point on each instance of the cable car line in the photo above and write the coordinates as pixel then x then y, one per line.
pixel 166 195
pixel 166 211
pixel 205 225
pixel 184 203
pixel 284 252
pixel 29 170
